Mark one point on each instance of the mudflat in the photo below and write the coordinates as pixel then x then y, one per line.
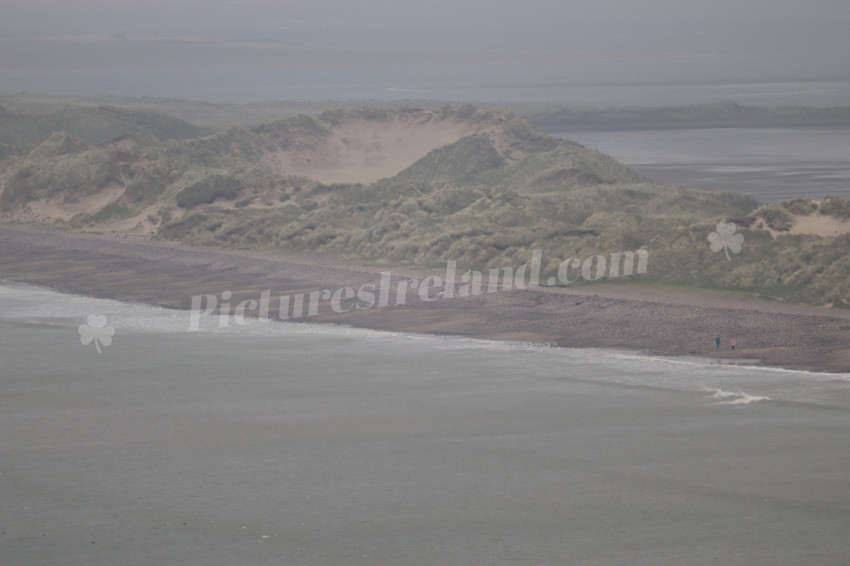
pixel 654 320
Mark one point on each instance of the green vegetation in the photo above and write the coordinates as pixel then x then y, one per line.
pixel 92 125
pixel 777 219
pixel 207 190
pixel 798 268
pixel 110 212
pixel 835 206
pixel 801 206
pixel 460 162
pixel 144 189
pixel 59 168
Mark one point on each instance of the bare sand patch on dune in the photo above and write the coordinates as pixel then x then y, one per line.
pixel 820 225
pixel 366 150
pixel 814 224
pixel 60 209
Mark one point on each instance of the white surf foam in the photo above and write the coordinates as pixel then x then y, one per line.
pixel 736 397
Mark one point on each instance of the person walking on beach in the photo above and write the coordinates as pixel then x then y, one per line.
pixel 717 341
pixel 732 342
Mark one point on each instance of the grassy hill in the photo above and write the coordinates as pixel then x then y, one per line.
pixel 486 192
pixel 92 125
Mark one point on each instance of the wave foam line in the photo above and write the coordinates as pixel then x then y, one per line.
pixel 736 397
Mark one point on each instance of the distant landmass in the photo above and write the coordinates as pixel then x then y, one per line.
pixel 412 186
pixel 713 115
pixel 546 117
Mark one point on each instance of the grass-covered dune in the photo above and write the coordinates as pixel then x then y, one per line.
pixel 92 124
pixel 421 187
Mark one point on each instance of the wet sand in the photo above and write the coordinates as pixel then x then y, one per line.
pixel 656 321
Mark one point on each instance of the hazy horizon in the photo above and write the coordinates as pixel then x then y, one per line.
pixel 379 46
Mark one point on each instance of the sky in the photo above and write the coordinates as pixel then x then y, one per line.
pixel 685 40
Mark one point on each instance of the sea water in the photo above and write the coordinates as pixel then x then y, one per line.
pixel 297 443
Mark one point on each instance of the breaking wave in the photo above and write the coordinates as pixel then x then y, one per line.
pixel 735 397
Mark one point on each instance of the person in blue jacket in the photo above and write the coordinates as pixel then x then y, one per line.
pixel 717 340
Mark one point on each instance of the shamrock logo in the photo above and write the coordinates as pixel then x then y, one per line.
pixel 726 239
pixel 96 330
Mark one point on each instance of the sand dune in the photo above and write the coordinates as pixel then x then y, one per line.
pixel 365 150
pixel 815 224
pixel 820 225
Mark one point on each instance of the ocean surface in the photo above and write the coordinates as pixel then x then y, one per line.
pixel 296 443
pixel 613 83
pixel 768 164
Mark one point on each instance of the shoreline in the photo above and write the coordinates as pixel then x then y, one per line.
pixel 652 320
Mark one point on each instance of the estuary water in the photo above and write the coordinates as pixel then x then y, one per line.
pixel 296 443
pixel 767 164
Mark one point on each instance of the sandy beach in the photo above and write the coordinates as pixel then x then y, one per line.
pixel 652 320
